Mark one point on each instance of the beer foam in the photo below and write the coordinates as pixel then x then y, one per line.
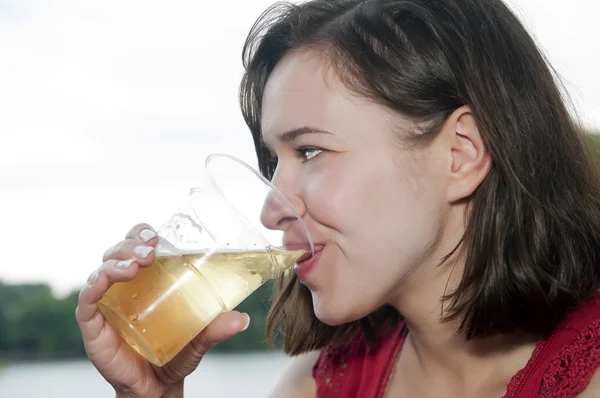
pixel 201 252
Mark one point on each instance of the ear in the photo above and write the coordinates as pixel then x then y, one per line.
pixel 470 161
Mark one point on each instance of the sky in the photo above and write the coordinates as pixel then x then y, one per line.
pixel 109 107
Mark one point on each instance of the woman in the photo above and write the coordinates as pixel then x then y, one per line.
pixel 454 207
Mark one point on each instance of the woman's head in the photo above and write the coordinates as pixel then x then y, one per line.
pixel 404 129
pixel 360 192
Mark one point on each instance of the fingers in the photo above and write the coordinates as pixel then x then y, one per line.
pixel 120 263
pixel 131 248
pixel 143 232
pixel 89 319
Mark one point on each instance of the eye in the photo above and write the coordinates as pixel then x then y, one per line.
pixel 308 153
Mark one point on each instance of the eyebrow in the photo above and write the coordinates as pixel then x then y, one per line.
pixel 291 135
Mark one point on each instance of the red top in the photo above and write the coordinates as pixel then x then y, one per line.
pixel 560 366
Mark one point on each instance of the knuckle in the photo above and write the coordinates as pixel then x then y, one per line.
pixel 121 250
pixel 107 265
pixel 78 313
pixel 201 345
pixel 111 251
pixel 79 298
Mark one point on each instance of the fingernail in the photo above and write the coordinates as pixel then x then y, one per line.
pixel 247 323
pixel 93 277
pixel 124 264
pixel 147 234
pixel 142 251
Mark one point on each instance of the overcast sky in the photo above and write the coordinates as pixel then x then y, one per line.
pixel 108 108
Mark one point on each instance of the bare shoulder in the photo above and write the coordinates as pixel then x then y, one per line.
pixel 297 381
pixel 593 388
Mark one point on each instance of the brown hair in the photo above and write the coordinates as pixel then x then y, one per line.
pixel 532 240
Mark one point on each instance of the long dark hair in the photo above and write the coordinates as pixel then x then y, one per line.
pixel 532 240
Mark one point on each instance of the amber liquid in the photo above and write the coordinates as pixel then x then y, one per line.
pixel 167 304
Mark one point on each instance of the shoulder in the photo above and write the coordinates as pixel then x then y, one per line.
pixel 593 388
pixel 297 381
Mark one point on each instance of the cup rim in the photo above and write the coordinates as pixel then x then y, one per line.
pixel 270 186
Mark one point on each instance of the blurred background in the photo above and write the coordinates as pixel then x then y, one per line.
pixel 107 111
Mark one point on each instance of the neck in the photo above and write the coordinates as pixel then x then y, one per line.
pixel 438 350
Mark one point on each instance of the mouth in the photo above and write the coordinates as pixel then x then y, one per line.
pixel 307 262
pixel 308 255
pixel 304 257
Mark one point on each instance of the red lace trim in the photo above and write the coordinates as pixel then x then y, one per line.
pixel 567 375
pixel 329 371
pixel 331 368
pixel 514 386
pixel 390 366
pixel 570 372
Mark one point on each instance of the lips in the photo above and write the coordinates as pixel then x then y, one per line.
pixel 305 256
pixel 308 262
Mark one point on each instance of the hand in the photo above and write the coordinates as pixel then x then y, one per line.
pixel 129 373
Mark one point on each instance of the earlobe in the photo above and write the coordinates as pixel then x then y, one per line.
pixel 470 158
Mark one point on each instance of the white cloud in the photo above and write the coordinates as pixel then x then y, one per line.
pixel 569 34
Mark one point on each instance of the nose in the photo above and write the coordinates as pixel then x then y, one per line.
pixel 279 207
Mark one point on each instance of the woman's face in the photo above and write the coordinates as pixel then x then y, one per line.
pixel 375 209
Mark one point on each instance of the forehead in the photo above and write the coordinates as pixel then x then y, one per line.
pixel 300 88
pixel 304 90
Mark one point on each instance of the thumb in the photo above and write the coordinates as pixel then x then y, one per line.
pixel 223 327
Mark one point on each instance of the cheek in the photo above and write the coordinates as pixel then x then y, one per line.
pixel 360 201
pixel 378 210
pixel 327 195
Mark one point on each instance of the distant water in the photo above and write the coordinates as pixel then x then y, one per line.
pixel 218 376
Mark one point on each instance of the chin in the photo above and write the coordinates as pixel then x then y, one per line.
pixel 334 315
pixel 331 320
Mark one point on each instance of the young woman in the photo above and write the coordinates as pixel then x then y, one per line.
pixel 453 202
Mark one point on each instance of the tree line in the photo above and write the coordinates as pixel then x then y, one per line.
pixel 36 325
